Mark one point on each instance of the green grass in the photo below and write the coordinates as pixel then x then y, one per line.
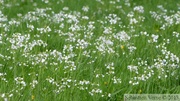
pixel 76 62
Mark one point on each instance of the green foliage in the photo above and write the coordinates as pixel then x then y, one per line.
pixel 88 50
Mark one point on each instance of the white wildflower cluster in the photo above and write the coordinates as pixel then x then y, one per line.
pixel 74 27
pixel 3 18
pixel 14 22
pixel 127 3
pixel 116 80
pixel 113 18
pixel 176 34
pixel 144 33
pixel 85 8
pixel 135 19
pixel 154 38
pixel 1 1
pixel 40 12
pixel 68 83
pixel 4 96
pixel 161 8
pixel 57 18
pixel 22 42
pixel 2 77
pixel 85 17
pixel 1 38
pixel 100 75
pixel 56 55
pixel 91 25
pixel 110 68
pixel 82 44
pixel 70 66
pixel 83 85
pixel 107 30
pixel 163 66
pixel 63 51
pixel 164 19
pixel 31 27
pixel 20 81
pixel 45 1
pixel 30 16
pixel 122 36
pixel 143 72
pixel 43 30
pixel 95 91
pixel 139 9
pixel 66 8
pixel 34 83
pixel 34 43
pixel 40 58
pixel 104 45
pixel 133 68
pixel 36 15
pixel 21 84
pixel 131 48
pixel 18 41
pixel 45 58
pixel 156 16
pixel 170 60
pixel 60 88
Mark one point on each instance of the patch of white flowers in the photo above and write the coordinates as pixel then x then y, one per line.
pixel 71 50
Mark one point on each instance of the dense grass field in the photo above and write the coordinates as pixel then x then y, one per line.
pixel 88 50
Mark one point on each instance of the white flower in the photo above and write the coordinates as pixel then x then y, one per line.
pixel 122 36
pixel 109 95
pixel 131 48
pixel 132 68
pixel 133 21
pixel 139 9
pixel 85 8
pixel 155 37
pixel 65 8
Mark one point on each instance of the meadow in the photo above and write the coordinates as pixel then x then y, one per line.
pixel 88 50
